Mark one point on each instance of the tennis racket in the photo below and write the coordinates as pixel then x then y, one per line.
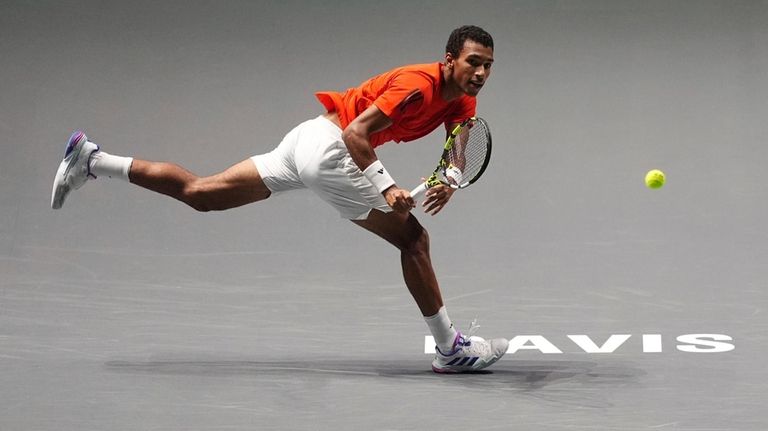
pixel 466 154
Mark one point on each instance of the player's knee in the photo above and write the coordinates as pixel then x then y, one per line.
pixel 416 241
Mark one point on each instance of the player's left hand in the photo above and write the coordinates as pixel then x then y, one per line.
pixel 436 198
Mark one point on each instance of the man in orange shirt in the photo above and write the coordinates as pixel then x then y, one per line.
pixel 333 155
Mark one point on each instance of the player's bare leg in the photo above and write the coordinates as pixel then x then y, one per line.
pixel 406 233
pixel 455 352
pixel 238 185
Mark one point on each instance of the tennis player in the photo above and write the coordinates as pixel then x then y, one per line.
pixel 334 156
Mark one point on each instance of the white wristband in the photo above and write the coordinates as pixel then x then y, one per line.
pixel 454 173
pixel 378 176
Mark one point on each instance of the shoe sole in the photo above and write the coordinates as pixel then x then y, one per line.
pixel 471 370
pixel 466 371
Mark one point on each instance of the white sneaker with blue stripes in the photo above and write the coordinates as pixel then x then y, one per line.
pixel 469 353
pixel 74 170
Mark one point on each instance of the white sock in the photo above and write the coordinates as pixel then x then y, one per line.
pixel 442 329
pixel 102 163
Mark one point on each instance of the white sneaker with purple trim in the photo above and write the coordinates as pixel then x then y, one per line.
pixel 469 353
pixel 74 170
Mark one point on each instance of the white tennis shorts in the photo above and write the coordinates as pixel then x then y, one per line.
pixel 314 156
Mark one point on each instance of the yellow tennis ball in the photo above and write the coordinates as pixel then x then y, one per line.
pixel 654 179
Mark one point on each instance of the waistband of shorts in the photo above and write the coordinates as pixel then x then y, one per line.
pixel 328 122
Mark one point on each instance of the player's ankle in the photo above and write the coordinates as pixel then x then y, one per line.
pixel 103 163
pixel 442 330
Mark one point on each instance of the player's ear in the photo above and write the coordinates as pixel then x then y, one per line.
pixel 449 60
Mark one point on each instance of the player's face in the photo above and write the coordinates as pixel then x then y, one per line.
pixel 472 68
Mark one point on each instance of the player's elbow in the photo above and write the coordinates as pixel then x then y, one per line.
pixel 353 135
pixel 356 139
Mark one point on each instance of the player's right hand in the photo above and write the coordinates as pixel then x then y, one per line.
pixel 399 200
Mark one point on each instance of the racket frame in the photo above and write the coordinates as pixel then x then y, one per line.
pixel 443 164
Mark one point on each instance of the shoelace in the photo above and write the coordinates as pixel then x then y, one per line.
pixel 473 327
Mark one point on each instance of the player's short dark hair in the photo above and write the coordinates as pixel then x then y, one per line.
pixel 460 35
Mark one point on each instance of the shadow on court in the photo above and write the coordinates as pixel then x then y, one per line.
pixel 522 376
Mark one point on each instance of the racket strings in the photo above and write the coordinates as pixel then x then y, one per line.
pixel 469 151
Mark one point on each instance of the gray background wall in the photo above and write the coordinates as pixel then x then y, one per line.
pixel 125 301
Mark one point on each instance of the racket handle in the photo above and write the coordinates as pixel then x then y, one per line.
pixel 419 190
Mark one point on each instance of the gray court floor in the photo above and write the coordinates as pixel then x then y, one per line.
pixel 128 311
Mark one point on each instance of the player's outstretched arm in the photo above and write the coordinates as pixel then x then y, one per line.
pixel 357 139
